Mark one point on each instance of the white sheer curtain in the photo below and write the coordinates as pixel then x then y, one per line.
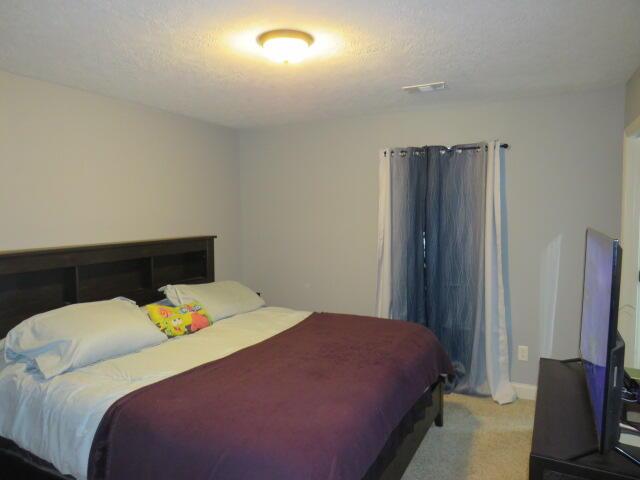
pixel 383 301
pixel 495 307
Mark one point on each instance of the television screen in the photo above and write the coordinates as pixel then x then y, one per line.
pixel 599 320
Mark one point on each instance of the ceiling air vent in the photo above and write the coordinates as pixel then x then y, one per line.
pixel 425 87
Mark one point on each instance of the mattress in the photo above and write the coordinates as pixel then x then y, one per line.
pixel 318 401
pixel 57 419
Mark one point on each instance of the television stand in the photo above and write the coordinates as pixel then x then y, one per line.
pixel 564 436
pixel 624 451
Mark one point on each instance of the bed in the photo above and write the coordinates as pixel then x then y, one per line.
pixel 35 281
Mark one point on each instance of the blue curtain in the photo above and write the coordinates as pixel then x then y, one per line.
pixel 408 196
pixel 454 258
pixel 437 212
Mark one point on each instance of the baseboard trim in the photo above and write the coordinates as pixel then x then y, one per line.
pixel 525 391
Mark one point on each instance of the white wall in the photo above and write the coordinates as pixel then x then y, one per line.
pixel 309 200
pixel 79 168
pixel 627 318
pixel 632 99
pixel 630 226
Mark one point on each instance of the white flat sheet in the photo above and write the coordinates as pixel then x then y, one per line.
pixel 57 419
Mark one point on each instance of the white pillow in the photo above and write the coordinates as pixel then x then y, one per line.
pixel 81 334
pixel 2 361
pixel 220 299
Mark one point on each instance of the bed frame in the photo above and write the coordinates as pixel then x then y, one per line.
pixel 34 281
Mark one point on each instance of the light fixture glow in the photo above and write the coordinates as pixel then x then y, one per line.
pixel 285 46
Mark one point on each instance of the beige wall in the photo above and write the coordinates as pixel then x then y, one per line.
pixel 80 168
pixel 632 101
pixel 309 201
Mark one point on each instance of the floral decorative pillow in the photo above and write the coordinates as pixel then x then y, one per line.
pixel 177 321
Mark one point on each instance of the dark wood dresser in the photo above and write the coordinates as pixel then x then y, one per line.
pixel 564 445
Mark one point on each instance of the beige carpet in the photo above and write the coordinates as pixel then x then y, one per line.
pixel 480 440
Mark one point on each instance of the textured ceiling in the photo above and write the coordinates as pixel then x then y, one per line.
pixel 199 57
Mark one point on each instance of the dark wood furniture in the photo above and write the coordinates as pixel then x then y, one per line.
pixel 631 414
pixel 405 440
pixel 564 444
pixel 34 281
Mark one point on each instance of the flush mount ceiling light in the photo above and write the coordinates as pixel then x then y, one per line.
pixel 285 46
pixel 425 87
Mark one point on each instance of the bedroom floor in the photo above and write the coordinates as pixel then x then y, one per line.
pixel 480 440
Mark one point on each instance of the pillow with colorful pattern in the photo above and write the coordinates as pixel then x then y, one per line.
pixel 180 320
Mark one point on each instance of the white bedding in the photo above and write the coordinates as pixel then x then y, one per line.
pixel 56 419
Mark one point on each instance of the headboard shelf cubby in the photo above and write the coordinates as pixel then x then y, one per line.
pixel 34 281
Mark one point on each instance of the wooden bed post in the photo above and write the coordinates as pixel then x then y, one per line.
pixel 439 420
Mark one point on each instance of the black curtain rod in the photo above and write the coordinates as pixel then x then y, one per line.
pixel 470 147
pixel 502 145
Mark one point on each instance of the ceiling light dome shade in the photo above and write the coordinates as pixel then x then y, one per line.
pixel 285 46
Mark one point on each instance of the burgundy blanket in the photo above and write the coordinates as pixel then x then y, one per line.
pixel 316 401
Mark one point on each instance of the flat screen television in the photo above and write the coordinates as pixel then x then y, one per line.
pixel 601 347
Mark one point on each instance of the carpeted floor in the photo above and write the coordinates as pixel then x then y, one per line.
pixel 480 440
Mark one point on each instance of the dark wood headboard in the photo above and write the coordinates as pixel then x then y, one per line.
pixel 34 281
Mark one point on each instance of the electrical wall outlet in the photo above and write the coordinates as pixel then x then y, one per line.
pixel 523 353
